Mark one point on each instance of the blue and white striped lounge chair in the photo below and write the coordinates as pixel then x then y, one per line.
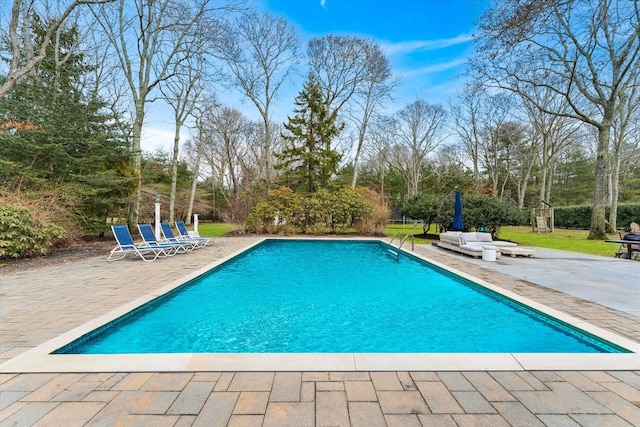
pixel 149 237
pixel 126 246
pixel 184 234
pixel 167 232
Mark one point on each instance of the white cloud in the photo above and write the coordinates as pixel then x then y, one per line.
pixel 434 68
pixel 322 3
pixel 411 46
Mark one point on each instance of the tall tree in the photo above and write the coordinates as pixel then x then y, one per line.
pixel 376 87
pixel 496 113
pixel 419 131
pixel 551 133
pixel 228 126
pixel 309 160
pixel 586 51
pixel 195 147
pixel 148 39
pixel 625 126
pixel 261 50
pixel 339 64
pixel 25 54
pixel 57 136
pixel 466 123
pixel 181 92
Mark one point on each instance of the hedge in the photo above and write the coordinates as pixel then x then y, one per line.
pixel 580 216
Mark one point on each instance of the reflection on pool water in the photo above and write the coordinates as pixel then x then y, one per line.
pixel 301 296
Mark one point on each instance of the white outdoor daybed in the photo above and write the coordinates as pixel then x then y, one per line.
pixel 473 243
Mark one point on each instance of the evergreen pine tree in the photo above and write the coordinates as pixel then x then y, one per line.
pixel 309 162
pixel 56 135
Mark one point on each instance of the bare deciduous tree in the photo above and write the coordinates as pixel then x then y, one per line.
pixel 495 114
pixel 377 152
pixel 585 51
pixel 182 93
pixel 194 148
pixel 625 126
pixel 376 87
pixel 339 65
pixel 25 57
pixel 466 123
pixel 552 134
pixel 419 131
pixel 261 51
pixel 149 39
pixel 228 127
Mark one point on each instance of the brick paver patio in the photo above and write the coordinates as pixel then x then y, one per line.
pixel 38 305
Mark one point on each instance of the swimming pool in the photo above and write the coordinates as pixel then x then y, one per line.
pixel 301 296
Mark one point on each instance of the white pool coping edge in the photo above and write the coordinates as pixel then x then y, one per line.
pixel 39 359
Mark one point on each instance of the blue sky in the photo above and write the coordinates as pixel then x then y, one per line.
pixel 427 42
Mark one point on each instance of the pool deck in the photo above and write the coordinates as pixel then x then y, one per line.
pixel 39 305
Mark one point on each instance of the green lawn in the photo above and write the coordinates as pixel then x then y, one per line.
pixel 409 229
pixel 567 240
pixel 215 229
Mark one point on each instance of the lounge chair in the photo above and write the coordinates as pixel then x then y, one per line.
pixel 169 237
pixel 184 234
pixel 146 231
pixel 473 243
pixel 126 245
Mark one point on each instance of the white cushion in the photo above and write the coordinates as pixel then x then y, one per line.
pixel 484 237
pixel 470 237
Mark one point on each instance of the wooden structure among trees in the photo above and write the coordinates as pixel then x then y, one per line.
pixel 542 218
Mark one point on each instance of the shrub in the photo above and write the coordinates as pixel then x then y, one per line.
pixel 373 221
pixel 427 207
pixel 279 213
pixel 20 234
pixel 579 216
pixel 490 213
pixel 286 211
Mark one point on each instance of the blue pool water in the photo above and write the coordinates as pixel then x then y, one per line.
pixel 333 296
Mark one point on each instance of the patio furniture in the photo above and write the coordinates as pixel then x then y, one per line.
pixel 146 231
pixel 470 243
pixel 126 246
pixel 184 234
pixel 629 245
pixel 518 251
pixel 489 253
pixel 167 232
pixel 475 243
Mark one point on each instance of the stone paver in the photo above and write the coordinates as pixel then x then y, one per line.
pixel 286 387
pixel 252 403
pixel 41 304
pixel 331 408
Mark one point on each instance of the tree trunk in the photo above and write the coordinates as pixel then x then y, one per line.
pixel 476 169
pixel 543 184
pixel 615 178
pixel 136 159
pixel 356 158
pixel 194 184
pixel 174 172
pixel 598 229
pixel 267 149
pixel 522 190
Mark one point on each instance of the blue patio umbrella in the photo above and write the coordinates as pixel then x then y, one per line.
pixel 458 224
